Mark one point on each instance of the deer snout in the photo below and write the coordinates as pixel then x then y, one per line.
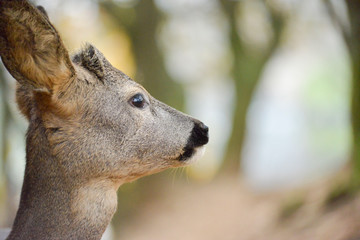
pixel 200 134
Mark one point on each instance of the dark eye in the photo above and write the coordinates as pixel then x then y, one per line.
pixel 138 101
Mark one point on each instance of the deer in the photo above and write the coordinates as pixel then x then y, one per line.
pixel 91 129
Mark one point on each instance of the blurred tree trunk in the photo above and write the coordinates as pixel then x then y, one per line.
pixel 141 23
pixel 7 194
pixel 352 39
pixel 247 68
pixel 2 120
pixel 353 42
pixel 3 182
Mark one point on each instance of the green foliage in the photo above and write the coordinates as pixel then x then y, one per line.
pixel 341 192
pixel 291 206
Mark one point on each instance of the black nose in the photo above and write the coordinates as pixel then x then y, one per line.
pixel 200 134
pixel 204 128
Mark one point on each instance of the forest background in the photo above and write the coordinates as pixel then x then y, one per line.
pixel 276 81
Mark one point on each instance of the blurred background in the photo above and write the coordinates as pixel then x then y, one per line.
pixel 276 81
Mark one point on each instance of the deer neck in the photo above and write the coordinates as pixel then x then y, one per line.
pixel 54 206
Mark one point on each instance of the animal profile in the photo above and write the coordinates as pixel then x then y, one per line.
pixel 91 129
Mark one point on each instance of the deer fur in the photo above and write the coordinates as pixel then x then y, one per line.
pixel 87 133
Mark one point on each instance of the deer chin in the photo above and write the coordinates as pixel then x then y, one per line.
pixel 191 155
pixel 198 153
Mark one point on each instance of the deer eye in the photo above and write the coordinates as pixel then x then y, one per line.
pixel 138 101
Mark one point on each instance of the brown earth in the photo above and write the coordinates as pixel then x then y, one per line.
pixel 225 209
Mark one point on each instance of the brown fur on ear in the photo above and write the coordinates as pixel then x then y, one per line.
pixel 43 11
pixel 24 100
pixel 31 48
pixel 89 59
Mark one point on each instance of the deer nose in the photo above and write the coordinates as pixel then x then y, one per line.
pixel 200 134
pixel 204 129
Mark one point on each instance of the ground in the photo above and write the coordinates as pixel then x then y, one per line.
pixel 226 209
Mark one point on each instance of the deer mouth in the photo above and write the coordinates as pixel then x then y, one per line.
pixel 198 138
pixel 191 155
pixel 188 153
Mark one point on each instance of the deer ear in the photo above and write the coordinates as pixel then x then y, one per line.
pixel 30 47
pixel 91 59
